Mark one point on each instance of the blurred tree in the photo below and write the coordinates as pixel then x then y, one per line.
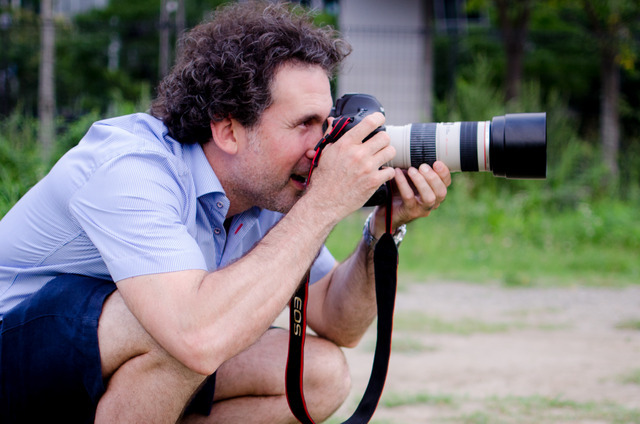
pixel 513 18
pixel 611 23
pixel 165 32
pixel 146 40
pixel 19 37
pixel 569 34
pixel 429 59
pixel 46 92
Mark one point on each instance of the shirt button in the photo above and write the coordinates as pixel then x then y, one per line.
pixel 216 231
pixel 219 205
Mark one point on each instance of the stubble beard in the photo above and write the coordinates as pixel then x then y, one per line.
pixel 258 184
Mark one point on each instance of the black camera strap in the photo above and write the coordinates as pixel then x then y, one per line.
pixel 385 259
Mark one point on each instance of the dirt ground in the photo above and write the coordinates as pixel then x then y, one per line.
pixel 466 353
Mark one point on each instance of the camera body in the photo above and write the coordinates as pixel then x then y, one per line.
pixel 355 107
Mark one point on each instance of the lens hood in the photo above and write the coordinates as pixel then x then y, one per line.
pixel 518 146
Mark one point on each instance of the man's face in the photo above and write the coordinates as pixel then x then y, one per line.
pixel 275 161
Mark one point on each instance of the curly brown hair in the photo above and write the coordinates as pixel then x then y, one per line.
pixel 226 65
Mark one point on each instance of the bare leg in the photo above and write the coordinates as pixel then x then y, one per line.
pixel 250 387
pixel 145 384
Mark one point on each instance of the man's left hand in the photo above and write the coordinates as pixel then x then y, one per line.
pixel 416 192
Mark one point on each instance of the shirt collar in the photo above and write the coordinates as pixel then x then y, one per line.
pixel 206 181
pixel 204 178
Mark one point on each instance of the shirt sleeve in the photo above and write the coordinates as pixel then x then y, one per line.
pixel 136 210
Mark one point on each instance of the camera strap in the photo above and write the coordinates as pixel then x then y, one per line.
pixel 385 259
pixel 340 126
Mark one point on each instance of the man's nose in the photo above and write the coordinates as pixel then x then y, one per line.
pixel 313 142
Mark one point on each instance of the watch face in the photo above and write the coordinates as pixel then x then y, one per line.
pixel 369 239
pixel 398 236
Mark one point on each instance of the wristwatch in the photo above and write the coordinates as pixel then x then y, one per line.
pixel 370 239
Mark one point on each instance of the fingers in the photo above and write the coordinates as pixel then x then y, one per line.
pixel 365 127
pixel 421 190
pixel 351 169
pixel 443 172
pixel 432 189
pixel 404 188
pixel 330 121
pixel 377 148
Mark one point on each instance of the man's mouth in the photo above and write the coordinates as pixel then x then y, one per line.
pixel 302 179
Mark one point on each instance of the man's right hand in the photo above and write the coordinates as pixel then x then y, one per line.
pixel 350 171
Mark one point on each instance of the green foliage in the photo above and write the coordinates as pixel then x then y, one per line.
pixel 84 81
pixel 19 57
pixel 575 170
pixel 20 164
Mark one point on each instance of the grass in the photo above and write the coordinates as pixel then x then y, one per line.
pixel 507 237
pixel 404 344
pixel 541 409
pixel 632 377
pixel 631 324
pixel 423 323
pixel 395 399
pixel 448 408
pixel 408 345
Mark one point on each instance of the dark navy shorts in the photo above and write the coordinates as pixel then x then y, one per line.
pixel 50 365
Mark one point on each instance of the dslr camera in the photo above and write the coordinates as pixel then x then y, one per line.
pixel 510 146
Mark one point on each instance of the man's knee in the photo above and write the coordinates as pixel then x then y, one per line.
pixel 145 383
pixel 327 379
pixel 122 339
pixel 120 335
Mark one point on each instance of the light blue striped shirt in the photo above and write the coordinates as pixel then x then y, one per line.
pixel 128 200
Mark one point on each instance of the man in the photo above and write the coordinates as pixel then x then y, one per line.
pixel 139 279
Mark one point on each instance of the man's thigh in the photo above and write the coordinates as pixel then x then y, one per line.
pixel 257 371
pixel 260 369
pixel 49 353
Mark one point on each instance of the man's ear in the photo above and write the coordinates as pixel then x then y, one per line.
pixel 225 135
